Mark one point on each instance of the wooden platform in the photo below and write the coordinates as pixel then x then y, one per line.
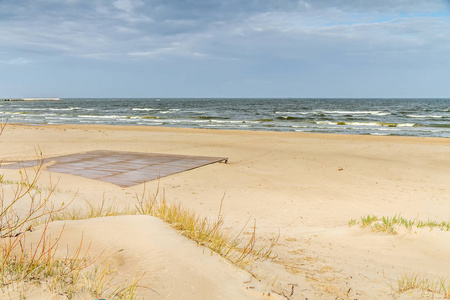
pixel 121 168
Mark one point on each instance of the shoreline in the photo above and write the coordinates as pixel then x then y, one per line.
pixel 219 130
pixel 306 186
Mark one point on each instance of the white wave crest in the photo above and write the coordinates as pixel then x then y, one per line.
pixel 425 116
pixel 348 112
pixel 101 117
pixel 143 109
pixel 294 112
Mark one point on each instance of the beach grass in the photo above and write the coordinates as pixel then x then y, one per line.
pixel 24 266
pixel 422 284
pixel 240 250
pixel 38 265
pixel 391 224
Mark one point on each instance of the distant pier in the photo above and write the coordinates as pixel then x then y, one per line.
pixel 31 99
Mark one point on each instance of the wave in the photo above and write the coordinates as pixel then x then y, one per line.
pixel 383 124
pixel 264 120
pixel 195 111
pixel 335 112
pixel 143 109
pixel 209 118
pixel 288 118
pixel 62 109
pixel 440 125
pixel 14 113
pixel 350 112
pixel 102 117
pixel 425 116
pixel 407 125
pixel 48 108
pixel 294 112
pixel 148 117
pixel 150 124
pixel 26 108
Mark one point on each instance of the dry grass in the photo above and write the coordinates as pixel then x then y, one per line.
pixel 39 263
pixel 240 250
pixel 39 204
pixel 91 211
pixel 23 265
pixel 103 283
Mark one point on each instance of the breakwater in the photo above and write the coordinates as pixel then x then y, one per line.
pixel 30 99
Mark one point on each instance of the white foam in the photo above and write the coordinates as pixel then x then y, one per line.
pixel 144 109
pixel 102 117
pixel 166 112
pixel 425 116
pixel 347 112
pixel 59 109
pixel 326 123
pixel 294 113
pixel 362 123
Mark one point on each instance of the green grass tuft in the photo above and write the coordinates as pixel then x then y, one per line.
pixel 410 282
pixel 391 224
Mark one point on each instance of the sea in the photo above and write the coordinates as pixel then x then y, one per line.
pixel 393 117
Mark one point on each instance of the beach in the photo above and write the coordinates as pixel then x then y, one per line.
pixel 305 188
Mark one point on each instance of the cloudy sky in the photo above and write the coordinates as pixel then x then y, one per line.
pixel 224 48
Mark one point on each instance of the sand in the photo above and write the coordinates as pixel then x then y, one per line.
pixel 304 187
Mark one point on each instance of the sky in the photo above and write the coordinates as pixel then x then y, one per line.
pixel 226 48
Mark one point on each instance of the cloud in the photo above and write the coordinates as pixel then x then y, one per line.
pixel 126 5
pixel 15 61
pixel 232 29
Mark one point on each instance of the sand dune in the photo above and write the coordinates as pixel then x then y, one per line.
pixel 172 266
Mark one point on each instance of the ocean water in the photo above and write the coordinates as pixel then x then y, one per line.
pixel 400 117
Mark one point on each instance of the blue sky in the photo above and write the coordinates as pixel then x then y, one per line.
pixel 228 48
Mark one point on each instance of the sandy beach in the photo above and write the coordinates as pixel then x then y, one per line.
pixel 306 188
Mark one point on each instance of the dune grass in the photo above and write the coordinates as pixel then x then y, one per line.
pixel 424 285
pixel 392 224
pixel 37 264
pixel 209 233
pixel 239 250
pixel 24 265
